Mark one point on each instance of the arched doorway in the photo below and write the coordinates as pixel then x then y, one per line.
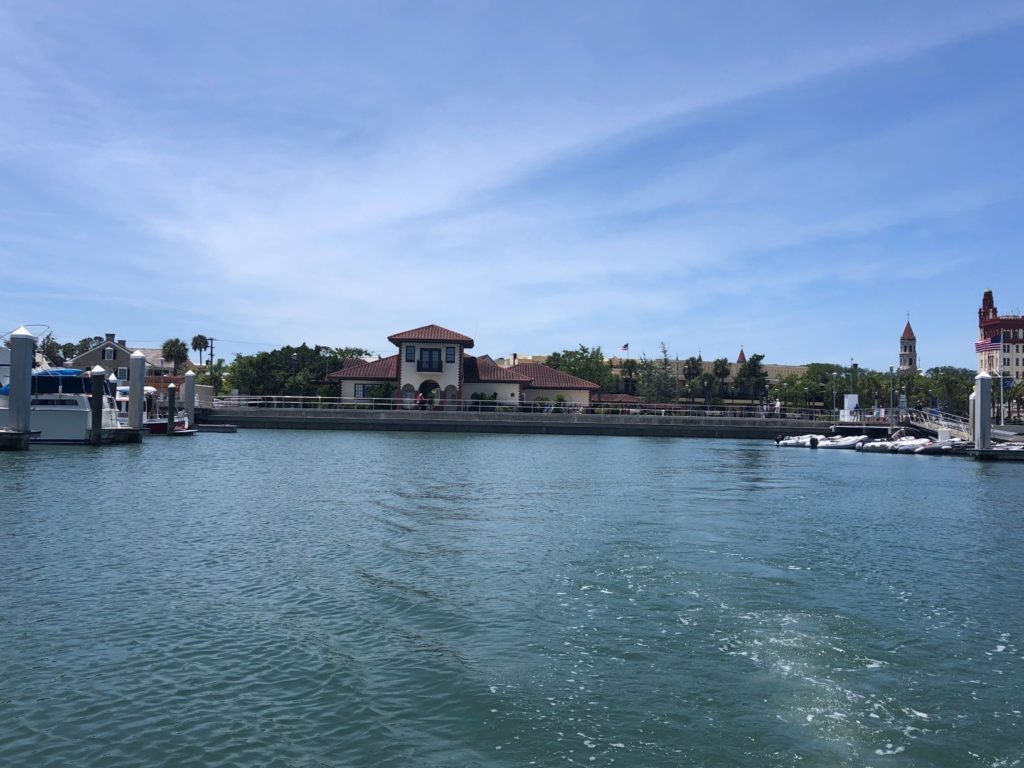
pixel 431 392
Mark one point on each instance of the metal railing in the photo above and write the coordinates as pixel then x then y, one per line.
pixel 596 408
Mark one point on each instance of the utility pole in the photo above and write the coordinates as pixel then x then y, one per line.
pixel 210 339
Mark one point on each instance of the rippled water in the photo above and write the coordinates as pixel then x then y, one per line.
pixel 339 599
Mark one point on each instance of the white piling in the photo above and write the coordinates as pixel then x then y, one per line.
pixel 98 376
pixel 136 389
pixel 171 408
pixel 189 396
pixel 19 414
pixel 982 411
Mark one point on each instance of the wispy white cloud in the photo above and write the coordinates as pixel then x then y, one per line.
pixel 383 194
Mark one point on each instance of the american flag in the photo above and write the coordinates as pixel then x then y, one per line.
pixel 625 347
pixel 989 345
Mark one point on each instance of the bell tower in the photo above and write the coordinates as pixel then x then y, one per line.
pixel 908 349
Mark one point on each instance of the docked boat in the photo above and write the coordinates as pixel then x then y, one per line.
pixel 953 447
pixel 799 441
pixel 60 408
pixel 909 444
pixel 158 425
pixel 849 442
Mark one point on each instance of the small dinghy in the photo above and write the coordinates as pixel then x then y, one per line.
pixel 799 441
pixel 850 442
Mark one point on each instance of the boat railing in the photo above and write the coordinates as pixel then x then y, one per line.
pixel 472 405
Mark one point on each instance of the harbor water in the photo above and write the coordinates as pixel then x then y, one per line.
pixel 306 599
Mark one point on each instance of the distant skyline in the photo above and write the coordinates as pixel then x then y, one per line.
pixel 792 177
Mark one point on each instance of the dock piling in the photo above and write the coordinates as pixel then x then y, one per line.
pixel 98 376
pixel 171 408
pixel 136 389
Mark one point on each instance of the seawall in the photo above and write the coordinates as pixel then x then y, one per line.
pixel 511 423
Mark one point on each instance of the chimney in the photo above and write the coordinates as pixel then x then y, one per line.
pixel 110 337
pixel 121 343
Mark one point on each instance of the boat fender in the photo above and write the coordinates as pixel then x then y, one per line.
pixel 814 442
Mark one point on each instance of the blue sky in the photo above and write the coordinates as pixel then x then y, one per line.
pixel 794 178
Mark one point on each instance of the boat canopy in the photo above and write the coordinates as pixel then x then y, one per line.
pixel 50 380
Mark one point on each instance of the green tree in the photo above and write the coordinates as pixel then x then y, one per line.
pixel 629 371
pixel 53 351
pixel 199 344
pixel 215 373
pixel 951 387
pixel 290 370
pixel 692 369
pixel 175 351
pixel 586 363
pixel 752 379
pixel 721 370
pixel 657 382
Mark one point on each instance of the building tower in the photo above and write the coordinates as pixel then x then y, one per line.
pixel 908 349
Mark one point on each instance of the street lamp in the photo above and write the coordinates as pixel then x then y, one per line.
pixel 161 377
pixel 833 395
pixel 892 385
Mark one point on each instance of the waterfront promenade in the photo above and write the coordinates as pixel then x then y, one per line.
pixel 747 422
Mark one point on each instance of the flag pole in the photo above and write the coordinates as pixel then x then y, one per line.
pixel 999 358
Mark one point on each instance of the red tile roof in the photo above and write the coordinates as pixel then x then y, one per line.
pixel 742 358
pixel 483 369
pixel 908 333
pixel 384 369
pixel 619 397
pixel 431 333
pixel 545 377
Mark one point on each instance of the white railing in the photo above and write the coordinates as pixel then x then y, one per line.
pixel 597 408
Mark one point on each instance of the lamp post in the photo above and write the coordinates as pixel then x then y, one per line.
pixel 892 385
pixel 161 377
pixel 833 395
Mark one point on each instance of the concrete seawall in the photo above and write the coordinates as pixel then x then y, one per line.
pixel 510 423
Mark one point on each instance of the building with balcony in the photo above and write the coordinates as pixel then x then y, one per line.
pixel 1000 345
pixel 432 362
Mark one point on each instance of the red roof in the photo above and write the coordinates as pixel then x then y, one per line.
pixel 381 370
pixel 742 358
pixel 431 333
pixel 483 369
pixel 545 377
pixel 908 333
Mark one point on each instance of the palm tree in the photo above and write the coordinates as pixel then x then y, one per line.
pixel 175 351
pixel 199 344
pixel 721 370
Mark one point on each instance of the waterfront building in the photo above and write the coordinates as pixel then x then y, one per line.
pixel 1000 345
pixel 112 356
pixel 908 350
pixel 432 361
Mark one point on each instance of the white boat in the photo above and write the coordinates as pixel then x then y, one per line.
pixel 798 441
pixel 875 446
pixel 909 444
pixel 850 442
pixel 953 446
pixel 60 409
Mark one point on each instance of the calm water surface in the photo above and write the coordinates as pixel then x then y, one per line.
pixel 344 599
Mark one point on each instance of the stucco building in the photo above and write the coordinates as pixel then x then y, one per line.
pixel 432 361
pixel 1000 345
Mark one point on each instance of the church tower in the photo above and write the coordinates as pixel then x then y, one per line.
pixel 908 350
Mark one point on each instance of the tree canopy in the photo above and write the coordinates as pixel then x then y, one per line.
pixel 290 370
pixel 175 351
pixel 586 363
pixel 657 381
